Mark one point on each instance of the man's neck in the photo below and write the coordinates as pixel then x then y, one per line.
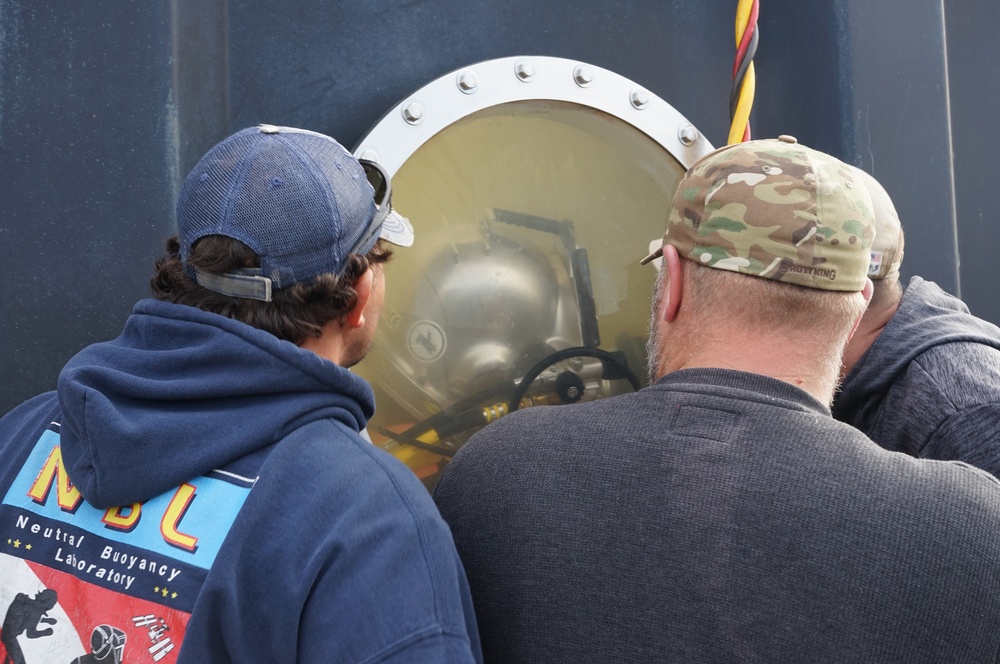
pixel 871 326
pixel 330 344
pixel 793 361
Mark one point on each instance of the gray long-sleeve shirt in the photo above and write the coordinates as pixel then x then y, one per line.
pixel 719 516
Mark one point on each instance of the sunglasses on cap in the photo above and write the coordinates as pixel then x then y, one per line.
pixel 379 180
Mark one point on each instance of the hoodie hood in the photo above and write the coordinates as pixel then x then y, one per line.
pixel 927 317
pixel 182 392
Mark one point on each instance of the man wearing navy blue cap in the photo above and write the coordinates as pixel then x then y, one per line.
pixel 200 483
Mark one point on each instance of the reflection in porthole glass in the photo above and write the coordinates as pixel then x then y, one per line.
pixel 523 287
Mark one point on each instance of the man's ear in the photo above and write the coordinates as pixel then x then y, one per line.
pixel 867 293
pixel 363 287
pixel 868 290
pixel 674 285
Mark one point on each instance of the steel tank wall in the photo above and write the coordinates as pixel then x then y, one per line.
pixel 103 109
pixel 974 92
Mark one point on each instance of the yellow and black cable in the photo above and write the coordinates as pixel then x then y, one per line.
pixel 744 80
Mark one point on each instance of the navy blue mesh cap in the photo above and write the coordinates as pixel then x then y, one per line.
pixel 297 198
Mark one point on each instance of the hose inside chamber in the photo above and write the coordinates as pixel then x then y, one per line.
pixel 471 413
pixel 488 405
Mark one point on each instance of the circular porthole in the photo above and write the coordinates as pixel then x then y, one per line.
pixel 534 185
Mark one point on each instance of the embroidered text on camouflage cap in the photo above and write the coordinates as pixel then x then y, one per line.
pixel 778 210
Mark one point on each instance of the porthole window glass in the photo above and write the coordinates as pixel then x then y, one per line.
pixel 523 287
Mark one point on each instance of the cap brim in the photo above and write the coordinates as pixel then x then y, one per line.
pixel 397 229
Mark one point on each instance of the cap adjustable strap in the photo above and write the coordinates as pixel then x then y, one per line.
pixel 245 283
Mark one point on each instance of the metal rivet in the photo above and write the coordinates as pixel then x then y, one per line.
pixel 467 82
pixel 368 153
pixel 688 135
pixel 525 70
pixel 639 98
pixel 583 76
pixel 413 113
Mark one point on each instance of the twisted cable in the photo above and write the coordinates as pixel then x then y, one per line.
pixel 744 79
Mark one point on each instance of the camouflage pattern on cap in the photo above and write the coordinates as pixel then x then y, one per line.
pixel 887 247
pixel 778 210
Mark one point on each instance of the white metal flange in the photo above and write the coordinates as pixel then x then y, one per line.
pixel 458 94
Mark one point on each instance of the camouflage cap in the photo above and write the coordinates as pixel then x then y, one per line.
pixel 774 209
pixel 887 247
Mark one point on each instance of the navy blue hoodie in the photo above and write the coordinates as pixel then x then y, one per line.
pixel 929 386
pixel 197 490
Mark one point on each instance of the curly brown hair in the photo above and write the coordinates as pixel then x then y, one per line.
pixel 294 314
